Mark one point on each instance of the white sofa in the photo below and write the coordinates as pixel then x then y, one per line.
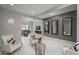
pixel 8 47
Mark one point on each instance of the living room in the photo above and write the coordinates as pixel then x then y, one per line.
pixel 25 24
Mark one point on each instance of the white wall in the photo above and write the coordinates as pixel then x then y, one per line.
pixel 36 22
pixel 28 21
pixel 32 22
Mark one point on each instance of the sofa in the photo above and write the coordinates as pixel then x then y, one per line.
pixel 9 47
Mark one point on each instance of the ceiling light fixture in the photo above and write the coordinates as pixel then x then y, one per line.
pixel 33 11
pixel 11 4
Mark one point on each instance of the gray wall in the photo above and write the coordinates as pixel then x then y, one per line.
pixel 60 17
pixel 33 22
pixel 6 28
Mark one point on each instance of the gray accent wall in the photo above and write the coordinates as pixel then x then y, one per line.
pixel 72 14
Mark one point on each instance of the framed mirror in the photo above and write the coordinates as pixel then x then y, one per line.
pixel 67 26
pixel 46 27
pixel 54 27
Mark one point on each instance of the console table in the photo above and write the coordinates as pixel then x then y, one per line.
pixel 38 31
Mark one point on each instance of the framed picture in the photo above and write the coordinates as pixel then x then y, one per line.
pixel 54 27
pixel 67 26
pixel 46 27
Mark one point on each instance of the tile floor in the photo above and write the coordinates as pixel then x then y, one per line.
pixel 53 46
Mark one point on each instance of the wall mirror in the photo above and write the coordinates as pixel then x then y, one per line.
pixel 54 27
pixel 11 21
pixel 46 27
pixel 67 28
pixel 38 29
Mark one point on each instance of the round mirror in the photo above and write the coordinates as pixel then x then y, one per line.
pixel 11 21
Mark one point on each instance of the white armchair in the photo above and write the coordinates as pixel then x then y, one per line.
pixel 8 47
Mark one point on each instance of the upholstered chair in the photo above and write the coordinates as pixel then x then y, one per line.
pixel 7 47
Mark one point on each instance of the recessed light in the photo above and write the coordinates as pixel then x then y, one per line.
pixel 11 4
pixel 51 13
pixel 33 11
